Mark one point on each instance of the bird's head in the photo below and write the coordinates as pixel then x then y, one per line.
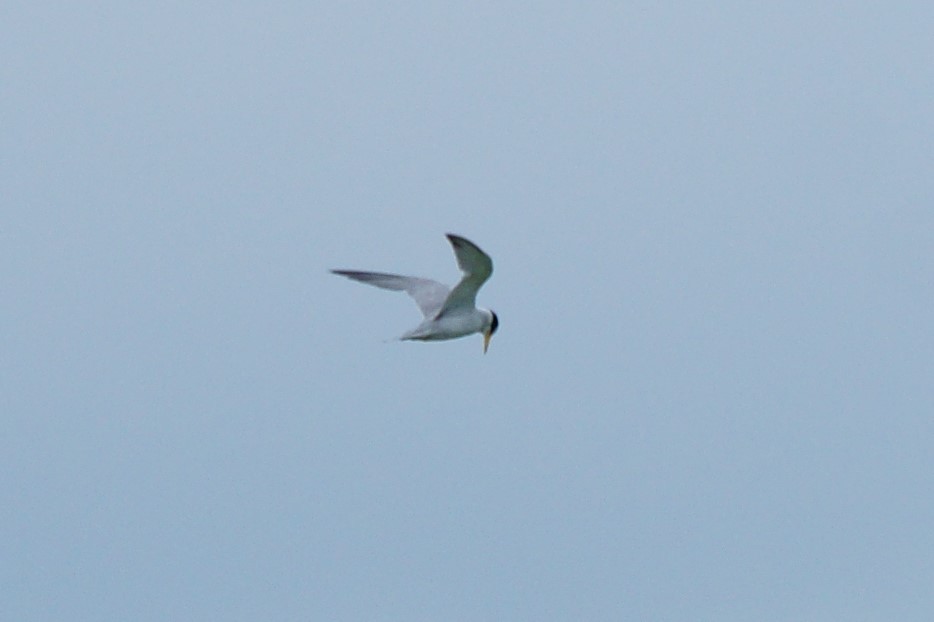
pixel 491 328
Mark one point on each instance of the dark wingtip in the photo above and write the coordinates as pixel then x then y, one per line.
pixel 458 240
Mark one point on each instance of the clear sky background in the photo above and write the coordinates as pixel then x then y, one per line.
pixel 710 397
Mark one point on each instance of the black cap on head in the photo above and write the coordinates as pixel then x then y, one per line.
pixel 494 324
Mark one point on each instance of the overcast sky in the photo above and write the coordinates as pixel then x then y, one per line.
pixel 710 396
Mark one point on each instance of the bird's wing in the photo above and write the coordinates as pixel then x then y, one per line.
pixel 477 268
pixel 428 295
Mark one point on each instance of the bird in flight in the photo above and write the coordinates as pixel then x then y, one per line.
pixel 448 313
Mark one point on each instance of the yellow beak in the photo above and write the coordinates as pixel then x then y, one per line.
pixel 486 340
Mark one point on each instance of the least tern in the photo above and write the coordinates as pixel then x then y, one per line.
pixel 449 313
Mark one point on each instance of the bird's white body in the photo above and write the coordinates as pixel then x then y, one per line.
pixel 451 326
pixel 449 313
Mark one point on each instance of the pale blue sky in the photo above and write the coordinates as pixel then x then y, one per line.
pixel 710 397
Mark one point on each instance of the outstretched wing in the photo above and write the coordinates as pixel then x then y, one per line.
pixel 477 268
pixel 428 295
